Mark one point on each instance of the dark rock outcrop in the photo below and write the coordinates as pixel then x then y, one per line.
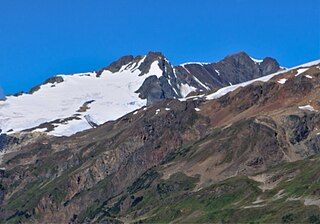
pixel 156 89
pixel 115 66
pixel 52 80
pixel 232 69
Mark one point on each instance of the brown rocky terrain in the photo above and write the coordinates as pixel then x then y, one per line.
pixel 253 152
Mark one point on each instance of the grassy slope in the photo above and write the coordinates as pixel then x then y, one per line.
pixel 237 199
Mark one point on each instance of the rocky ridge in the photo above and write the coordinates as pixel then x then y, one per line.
pixel 56 106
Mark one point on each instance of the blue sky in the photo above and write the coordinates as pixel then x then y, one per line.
pixel 39 39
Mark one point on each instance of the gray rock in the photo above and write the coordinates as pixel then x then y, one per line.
pixel 115 66
pixel 52 80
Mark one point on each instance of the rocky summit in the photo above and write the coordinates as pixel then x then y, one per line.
pixel 143 141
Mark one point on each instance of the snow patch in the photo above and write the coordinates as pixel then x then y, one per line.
pixel 309 77
pixel 282 81
pixel 223 91
pixel 40 130
pixel 301 70
pixel 157 111
pixel 185 89
pixel 197 63
pixel 155 69
pixel 217 71
pixel 191 98
pixel 257 61
pixel 197 109
pixel 167 109
pixel 307 107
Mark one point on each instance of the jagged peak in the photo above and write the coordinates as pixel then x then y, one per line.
pixel 116 65
pixel 238 56
pixel 144 65
pixel 244 55
pixel 155 54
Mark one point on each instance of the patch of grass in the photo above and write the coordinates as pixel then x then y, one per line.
pixel 144 181
pixel 29 198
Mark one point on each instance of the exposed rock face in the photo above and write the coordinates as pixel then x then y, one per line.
pixel 169 149
pixel 116 66
pixel 269 65
pixel 156 89
pixel 53 79
pixel 233 69
pixel 98 168
pixel 3 141
pixel 134 81
pixel 245 153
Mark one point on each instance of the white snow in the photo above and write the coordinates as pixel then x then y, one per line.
pixel 167 109
pixel 191 97
pixel 197 109
pixel 155 70
pixel 230 83
pixel 217 71
pixel 309 64
pixel 257 61
pixel 185 89
pixel 134 113
pixel 113 94
pixel 307 107
pixel 301 70
pixel 282 81
pixel 197 63
pixel 70 127
pixel 223 91
pixel 309 77
pixel 157 111
pixel 40 130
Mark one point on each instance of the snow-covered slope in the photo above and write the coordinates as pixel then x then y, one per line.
pixel 67 104
pixel 223 91
pixel 108 97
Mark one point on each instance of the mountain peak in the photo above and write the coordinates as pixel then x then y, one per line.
pixel 116 65
pixel 266 66
pixel 155 54
pixel 237 56
pixel 129 59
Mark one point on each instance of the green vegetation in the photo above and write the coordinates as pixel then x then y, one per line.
pixel 234 200
pixel 28 199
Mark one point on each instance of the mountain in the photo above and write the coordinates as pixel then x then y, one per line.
pixel 243 153
pixel 66 104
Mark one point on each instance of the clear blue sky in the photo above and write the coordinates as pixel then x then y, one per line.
pixel 41 38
